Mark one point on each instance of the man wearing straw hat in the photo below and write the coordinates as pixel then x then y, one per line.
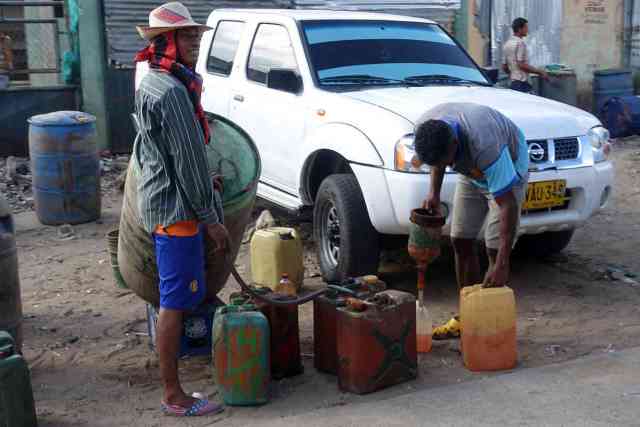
pixel 177 200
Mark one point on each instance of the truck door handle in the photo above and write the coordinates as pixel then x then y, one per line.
pixel 238 98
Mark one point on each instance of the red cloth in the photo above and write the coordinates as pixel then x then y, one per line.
pixel 162 54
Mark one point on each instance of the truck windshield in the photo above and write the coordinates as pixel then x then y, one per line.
pixel 344 52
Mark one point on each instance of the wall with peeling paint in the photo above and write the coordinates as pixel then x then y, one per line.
pixel 592 39
pixel 477 44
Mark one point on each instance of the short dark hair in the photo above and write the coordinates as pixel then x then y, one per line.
pixel 432 141
pixel 518 24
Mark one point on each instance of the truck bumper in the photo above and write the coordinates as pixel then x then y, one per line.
pixel 390 196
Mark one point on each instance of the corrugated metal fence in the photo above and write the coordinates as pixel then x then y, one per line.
pixel 122 16
pixel 545 21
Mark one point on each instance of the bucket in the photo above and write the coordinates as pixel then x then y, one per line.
pixel 231 154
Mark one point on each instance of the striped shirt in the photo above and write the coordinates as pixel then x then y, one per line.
pixel 174 184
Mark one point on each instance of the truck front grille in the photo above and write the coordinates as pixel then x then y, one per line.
pixel 567 148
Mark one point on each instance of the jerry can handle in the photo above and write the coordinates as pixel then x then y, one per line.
pixel 236 308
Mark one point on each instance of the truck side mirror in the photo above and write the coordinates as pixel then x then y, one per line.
pixel 285 80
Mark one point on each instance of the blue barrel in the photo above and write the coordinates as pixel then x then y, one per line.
pixel 621 116
pixel 610 83
pixel 65 167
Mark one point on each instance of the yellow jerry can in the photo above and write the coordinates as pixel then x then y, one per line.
pixel 274 252
pixel 488 318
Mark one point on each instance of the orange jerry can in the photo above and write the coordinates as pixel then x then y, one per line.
pixel 488 317
pixel 376 344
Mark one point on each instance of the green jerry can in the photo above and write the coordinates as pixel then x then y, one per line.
pixel 241 354
pixel 16 397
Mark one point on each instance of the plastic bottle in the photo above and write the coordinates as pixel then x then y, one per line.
pixel 424 328
pixel 286 287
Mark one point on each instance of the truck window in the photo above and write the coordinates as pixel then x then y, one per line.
pixel 271 49
pixel 224 46
pixel 385 49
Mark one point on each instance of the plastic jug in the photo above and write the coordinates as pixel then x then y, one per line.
pixel 424 328
pixel 241 349
pixel 377 345
pixel 17 408
pixel 286 286
pixel 275 251
pixel 488 318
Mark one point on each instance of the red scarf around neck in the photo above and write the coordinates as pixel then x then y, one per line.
pixel 162 54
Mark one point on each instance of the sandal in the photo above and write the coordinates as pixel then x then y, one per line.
pixel 198 409
pixel 449 330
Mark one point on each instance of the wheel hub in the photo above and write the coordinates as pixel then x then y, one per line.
pixel 331 234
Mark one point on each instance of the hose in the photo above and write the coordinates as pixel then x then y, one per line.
pixel 284 300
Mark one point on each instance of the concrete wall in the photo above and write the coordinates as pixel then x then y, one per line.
pixel 592 39
pixel 476 44
pixel 93 65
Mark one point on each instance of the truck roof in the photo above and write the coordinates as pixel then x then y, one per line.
pixel 301 15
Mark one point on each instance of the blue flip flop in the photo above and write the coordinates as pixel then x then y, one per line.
pixel 199 408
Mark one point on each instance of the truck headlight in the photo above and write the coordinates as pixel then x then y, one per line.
pixel 599 138
pixel 406 159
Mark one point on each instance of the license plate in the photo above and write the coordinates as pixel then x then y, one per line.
pixel 545 195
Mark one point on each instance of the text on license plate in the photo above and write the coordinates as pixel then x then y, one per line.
pixel 545 195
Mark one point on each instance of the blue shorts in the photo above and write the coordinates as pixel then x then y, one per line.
pixel 181 270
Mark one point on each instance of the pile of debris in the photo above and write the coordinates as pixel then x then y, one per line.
pixel 16 179
pixel 114 172
pixel 15 183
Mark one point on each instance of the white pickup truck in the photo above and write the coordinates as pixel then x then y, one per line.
pixel 331 99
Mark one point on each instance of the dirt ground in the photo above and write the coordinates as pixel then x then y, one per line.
pixel 87 345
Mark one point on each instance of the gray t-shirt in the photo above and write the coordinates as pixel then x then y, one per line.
pixel 483 133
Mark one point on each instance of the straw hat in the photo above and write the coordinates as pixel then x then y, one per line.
pixel 168 17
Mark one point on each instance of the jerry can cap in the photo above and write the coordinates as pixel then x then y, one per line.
pixel 286 235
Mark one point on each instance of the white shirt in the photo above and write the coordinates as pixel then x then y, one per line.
pixel 514 51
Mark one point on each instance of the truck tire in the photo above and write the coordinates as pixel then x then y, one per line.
pixel 543 244
pixel 347 244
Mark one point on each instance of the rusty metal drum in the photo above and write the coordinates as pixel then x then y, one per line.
pixel 66 167
pixel 10 298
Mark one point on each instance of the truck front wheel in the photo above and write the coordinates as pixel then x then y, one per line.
pixel 346 242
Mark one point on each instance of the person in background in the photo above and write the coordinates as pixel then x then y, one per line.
pixel 490 154
pixel 515 58
pixel 6 59
pixel 177 200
